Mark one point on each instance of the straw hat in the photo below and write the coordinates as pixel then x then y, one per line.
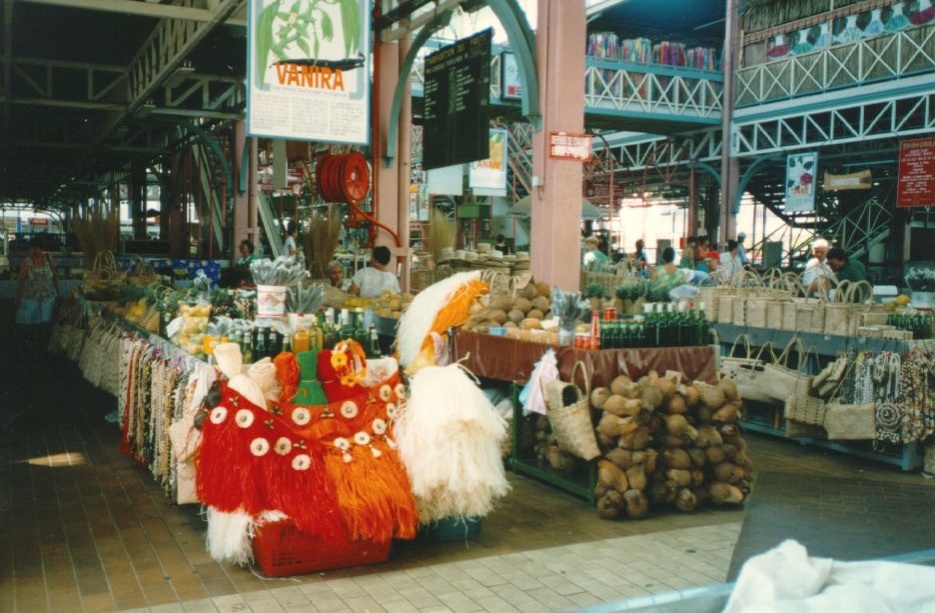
pixel 522 256
pixel 484 248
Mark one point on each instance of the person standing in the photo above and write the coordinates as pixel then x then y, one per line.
pixel 35 295
pixel 594 258
pixel 638 263
pixel 290 247
pixel 741 252
pixel 372 281
pixel 730 264
pixel 502 246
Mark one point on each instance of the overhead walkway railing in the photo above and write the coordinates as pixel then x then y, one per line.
pixel 882 58
pixel 646 88
pixel 863 227
pixel 627 89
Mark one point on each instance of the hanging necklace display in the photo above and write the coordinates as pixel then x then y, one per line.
pixel 886 372
pixel 897 20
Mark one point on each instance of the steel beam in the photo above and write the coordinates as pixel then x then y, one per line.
pixel 140 9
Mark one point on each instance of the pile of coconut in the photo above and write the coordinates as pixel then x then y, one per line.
pixel 665 444
pixel 525 308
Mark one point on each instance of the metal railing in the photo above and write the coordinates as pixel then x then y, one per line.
pixel 882 58
pixel 646 88
pixel 863 227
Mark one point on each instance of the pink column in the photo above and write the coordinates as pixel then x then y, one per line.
pixel 556 202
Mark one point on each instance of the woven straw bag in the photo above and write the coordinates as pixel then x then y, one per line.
pixel 849 422
pixel 780 381
pixel 838 310
pixel 805 409
pixel 747 371
pixel 572 423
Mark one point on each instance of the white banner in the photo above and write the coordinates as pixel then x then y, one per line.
pixel 801 169
pixel 488 177
pixel 308 70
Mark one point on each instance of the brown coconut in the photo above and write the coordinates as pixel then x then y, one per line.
pixel 729 387
pixel 680 476
pixel 614 426
pixel 500 316
pixel 677 425
pixel 715 454
pixel 636 475
pixel 620 384
pixel 609 477
pixel 676 458
pixel 724 493
pixel 522 304
pixel 636 505
pixel 541 303
pixel 727 413
pixel 686 501
pixel 610 505
pixel 698 477
pixel 707 436
pixel 516 316
pixel 697 456
pixel 615 404
pixel 535 314
pixel 727 472
pixel 543 289
pixel 598 396
pixel 662 492
pixel 650 456
pixel 651 397
pixel 691 394
pixel 712 396
pixel 622 458
pixel 666 386
pixel 638 439
pixel 676 405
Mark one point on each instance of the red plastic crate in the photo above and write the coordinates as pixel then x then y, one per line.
pixel 281 550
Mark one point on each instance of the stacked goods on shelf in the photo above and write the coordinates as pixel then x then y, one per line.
pixel 513 312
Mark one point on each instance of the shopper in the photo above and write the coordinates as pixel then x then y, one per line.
pixel 688 253
pixel 375 279
pixel 594 258
pixel 502 246
pixel 335 272
pixel 741 251
pixel 845 268
pixel 668 274
pixel 290 247
pixel 730 262
pixel 817 274
pixel 637 261
pixel 35 297
pixel 247 255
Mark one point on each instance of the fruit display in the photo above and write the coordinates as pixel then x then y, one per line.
pixel 524 310
pixel 389 305
pixel 194 323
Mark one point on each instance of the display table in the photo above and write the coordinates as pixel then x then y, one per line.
pixel 513 360
pixel 821 348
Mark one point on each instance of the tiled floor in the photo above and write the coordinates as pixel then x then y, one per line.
pixel 82 528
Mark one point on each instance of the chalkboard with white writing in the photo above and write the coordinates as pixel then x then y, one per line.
pixel 457 103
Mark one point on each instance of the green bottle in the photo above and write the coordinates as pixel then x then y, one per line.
pixel 650 326
pixel 373 346
pixel 330 331
pixel 702 326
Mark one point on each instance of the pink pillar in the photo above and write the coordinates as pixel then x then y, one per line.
pixel 556 202
pixel 387 178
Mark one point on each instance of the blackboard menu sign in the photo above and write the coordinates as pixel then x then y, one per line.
pixel 457 103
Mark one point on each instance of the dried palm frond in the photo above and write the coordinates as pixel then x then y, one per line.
pixel 321 240
pixel 442 233
pixel 97 230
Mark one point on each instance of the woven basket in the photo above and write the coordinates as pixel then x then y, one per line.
pixel 848 422
pixel 780 381
pixel 805 409
pixel 572 423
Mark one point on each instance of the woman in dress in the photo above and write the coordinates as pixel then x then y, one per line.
pixel 35 295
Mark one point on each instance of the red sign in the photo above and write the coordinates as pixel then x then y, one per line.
pixel 39 221
pixel 916 186
pixel 565 146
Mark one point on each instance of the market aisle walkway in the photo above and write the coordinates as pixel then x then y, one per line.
pixel 83 528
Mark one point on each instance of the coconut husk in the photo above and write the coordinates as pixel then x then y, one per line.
pixel 686 501
pixel 676 458
pixel 610 505
pixel 636 475
pixel 724 493
pixel 637 505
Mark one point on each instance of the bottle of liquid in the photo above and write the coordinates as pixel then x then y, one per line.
pixel 316 333
pixel 595 329
pixel 639 339
pixel 686 321
pixel 260 348
pixel 347 327
pixel 330 331
pixel 650 325
pixel 373 346
pixel 360 332
pixel 286 344
pixel 301 339
pixel 246 348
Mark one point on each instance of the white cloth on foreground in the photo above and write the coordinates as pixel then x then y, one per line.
pixel 786 579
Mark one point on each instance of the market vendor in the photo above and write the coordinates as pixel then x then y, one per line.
pixel 374 280
pixel 336 276
pixel 817 269
pixel 594 258
pixel 845 268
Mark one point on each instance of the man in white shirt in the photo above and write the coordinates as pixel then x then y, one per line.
pixel 372 281
pixel 817 269
pixel 289 246
pixel 730 264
